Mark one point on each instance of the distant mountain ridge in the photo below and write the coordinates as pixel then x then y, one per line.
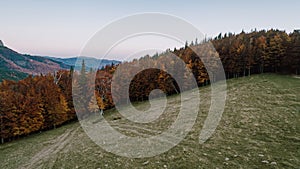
pixel 16 66
pixel 90 62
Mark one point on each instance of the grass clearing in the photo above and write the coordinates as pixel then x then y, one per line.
pixel 260 128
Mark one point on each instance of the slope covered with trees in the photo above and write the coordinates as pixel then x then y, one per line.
pixel 15 66
pixel 44 102
pixel 33 104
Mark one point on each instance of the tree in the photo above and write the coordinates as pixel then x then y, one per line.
pixel 102 88
pixel 82 91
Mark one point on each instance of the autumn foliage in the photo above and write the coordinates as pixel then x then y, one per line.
pixel 46 101
pixel 30 105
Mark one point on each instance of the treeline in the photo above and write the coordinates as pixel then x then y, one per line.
pixel 46 101
pixel 259 52
pixel 241 55
pixel 35 104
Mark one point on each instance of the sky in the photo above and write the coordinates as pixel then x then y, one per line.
pixel 62 28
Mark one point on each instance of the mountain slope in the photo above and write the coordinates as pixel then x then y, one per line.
pixel 11 74
pixel 20 64
pixel 16 66
pixel 259 129
pixel 89 61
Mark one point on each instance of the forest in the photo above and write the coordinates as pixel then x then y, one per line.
pixel 44 102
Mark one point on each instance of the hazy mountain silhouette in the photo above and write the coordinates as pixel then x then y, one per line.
pixel 16 66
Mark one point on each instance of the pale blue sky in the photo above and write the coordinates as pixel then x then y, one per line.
pixel 62 27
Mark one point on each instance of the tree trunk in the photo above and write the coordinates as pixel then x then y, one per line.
pixel 175 88
pixel 249 71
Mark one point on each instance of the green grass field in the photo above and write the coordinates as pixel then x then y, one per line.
pixel 260 128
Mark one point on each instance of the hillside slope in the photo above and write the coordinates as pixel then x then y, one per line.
pixel 11 74
pixel 259 129
pixel 89 61
pixel 20 64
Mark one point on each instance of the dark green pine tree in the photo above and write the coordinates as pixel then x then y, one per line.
pixel 82 93
pixel 82 77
